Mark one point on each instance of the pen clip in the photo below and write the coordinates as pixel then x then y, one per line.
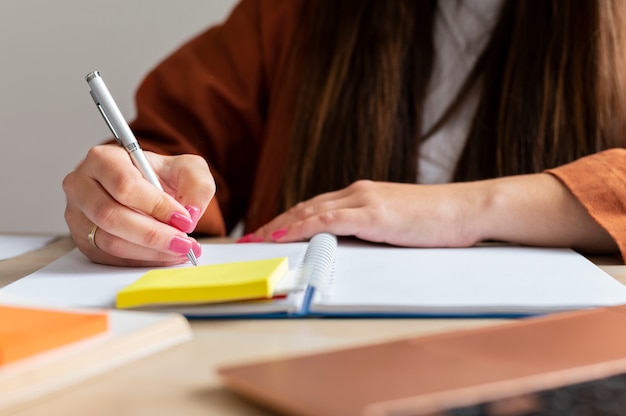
pixel 105 117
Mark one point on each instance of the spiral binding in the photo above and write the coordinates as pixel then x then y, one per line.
pixel 317 269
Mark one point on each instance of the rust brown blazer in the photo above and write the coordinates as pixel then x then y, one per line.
pixel 228 95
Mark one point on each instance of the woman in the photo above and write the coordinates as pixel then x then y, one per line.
pixel 331 112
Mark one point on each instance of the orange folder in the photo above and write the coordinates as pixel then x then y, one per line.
pixel 28 331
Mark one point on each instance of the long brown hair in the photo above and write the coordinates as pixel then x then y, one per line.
pixel 551 80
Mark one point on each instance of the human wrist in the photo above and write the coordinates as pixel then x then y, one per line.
pixel 489 201
pixel 519 209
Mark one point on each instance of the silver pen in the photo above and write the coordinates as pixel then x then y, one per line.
pixel 122 133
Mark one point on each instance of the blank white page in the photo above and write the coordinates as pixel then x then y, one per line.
pixel 489 279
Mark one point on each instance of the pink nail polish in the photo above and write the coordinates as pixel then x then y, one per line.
pixel 180 245
pixel 197 249
pixel 194 212
pixel 180 221
pixel 278 234
pixel 246 238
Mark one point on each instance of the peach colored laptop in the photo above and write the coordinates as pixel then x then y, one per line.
pixel 562 364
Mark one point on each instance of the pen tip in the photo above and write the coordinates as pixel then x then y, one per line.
pixel 192 258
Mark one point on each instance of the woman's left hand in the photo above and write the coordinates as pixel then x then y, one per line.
pixel 535 209
pixel 394 213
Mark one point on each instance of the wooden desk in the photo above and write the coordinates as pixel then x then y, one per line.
pixel 183 380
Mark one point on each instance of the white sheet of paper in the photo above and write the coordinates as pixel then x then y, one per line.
pixel 484 279
pixel 15 245
pixel 74 281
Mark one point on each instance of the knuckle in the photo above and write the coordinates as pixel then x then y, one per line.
pixel 195 160
pixel 308 211
pixel 97 153
pixel 361 185
pixel 301 210
pixel 151 238
pixel 68 183
pixel 366 191
pixel 160 208
pixel 328 218
pixel 105 216
pixel 123 187
pixel 208 184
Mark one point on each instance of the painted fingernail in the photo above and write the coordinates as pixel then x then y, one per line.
pixel 246 238
pixel 180 245
pixel 180 221
pixel 194 212
pixel 257 240
pixel 197 248
pixel 278 234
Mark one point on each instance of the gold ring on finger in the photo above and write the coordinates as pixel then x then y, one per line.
pixel 92 235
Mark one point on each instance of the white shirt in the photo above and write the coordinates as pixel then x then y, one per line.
pixel 462 30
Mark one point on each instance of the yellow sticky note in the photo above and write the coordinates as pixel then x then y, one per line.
pixel 205 284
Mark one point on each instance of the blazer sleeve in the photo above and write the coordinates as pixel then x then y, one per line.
pixel 598 181
pixel 208 98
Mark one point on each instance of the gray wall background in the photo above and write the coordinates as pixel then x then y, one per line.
pixel 47 118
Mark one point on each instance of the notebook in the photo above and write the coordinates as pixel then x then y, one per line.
pixel 352 278
pixel 561 364
pixel 70 349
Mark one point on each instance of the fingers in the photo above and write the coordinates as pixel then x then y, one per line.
pixel 399 214
pixel 336 212
pixel 189 180
pixel 137 222
pixel 112 169
pixel 110 249
pixel 133 254
pixel 345 221
pixel 124 232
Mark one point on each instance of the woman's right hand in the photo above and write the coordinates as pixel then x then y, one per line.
pixel 138 225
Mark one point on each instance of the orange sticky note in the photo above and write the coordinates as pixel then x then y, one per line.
pixel 28 331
